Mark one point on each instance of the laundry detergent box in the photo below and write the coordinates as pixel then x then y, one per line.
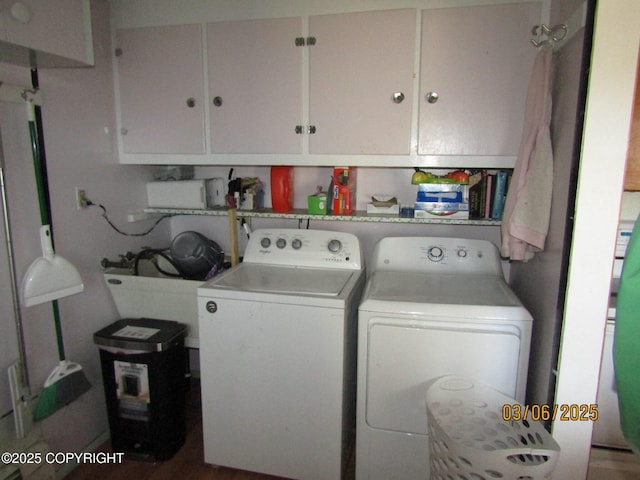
pixel 344 190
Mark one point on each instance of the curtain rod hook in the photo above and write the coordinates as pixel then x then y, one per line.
pixel 557 28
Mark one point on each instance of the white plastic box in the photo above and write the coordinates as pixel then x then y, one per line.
pixel 177 194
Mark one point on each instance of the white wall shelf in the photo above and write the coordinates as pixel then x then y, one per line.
pixel 301 214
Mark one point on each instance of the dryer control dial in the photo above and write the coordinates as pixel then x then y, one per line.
pixel 435 254
pixel 281 243
pixel 462 253
pixel 265 242
pixel 334 246
pixel 296 243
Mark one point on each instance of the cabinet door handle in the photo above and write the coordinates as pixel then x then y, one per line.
pixel 311 130
pixel 191 102
pixel 432 97
pixel 217 101
pixel 397 97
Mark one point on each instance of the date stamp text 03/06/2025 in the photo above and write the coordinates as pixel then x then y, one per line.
pixel 573 412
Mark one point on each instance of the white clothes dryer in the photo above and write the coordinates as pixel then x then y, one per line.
pixel 432 307
pixel 278 337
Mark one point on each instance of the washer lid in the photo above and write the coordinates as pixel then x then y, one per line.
pixel 285 280
pixel 449 289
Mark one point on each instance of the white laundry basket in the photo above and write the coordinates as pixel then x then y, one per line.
pixel 469 438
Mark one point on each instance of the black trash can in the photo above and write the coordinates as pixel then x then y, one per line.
pixel 143 366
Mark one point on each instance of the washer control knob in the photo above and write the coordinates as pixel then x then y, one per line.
pixel 211 306
pixel 296 243
pixel 334 246
pixel 265 242
pixel 435 254
pixel 462 253
pixel 281 243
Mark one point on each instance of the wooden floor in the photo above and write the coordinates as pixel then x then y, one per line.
pixel 187 464
pixel 606 464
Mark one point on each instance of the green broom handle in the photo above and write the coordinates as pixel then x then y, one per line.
pixel 37 165
pixel 43 202
pixel 58 324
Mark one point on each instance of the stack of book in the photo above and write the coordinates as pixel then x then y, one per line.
pixel 487 193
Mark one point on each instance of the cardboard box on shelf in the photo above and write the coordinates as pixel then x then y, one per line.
pixel 442 197
pixel 317 203
pixel 451 215
pixel 373 209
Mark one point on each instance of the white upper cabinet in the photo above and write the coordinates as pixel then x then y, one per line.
pixel 46 33
pixel 361 82
pixel 255 86
pixel 160 87
pixel 475 69
pixel 408 87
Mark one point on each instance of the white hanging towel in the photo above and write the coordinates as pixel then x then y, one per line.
pixel 527 210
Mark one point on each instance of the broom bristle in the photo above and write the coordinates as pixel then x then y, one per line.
pixel 71 387
pixel 46 404
pixel 60 393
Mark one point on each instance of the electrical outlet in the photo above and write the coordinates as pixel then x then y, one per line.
pixel 81 198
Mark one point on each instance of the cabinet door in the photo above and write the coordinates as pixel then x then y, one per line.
pixel 359 61
pixel 478 61
pixel 61 28
pixel 160 78
pixel 255 85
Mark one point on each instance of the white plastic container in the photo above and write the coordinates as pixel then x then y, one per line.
pixel 177 194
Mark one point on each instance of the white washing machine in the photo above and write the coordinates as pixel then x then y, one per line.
pixel 431 307
pixel 278 338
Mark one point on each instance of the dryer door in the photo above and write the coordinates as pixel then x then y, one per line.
pixel 404 355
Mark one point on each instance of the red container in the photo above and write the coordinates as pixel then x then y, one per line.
pixel 282 189
pixel 344 190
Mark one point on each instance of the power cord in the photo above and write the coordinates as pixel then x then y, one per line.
pixel 112 225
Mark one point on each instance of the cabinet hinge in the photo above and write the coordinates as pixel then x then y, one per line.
pixel 301 41
pixel 300 130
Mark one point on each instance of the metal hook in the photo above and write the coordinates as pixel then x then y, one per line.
pixel 563 28
pixel 550 33
pixel 27 94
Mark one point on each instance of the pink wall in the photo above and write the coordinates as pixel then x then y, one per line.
pixel 79 123
pixel 79 126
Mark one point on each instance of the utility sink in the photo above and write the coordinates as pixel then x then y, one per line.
pixel 153 295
